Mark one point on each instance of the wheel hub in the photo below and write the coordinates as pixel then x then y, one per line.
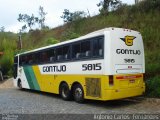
pixel 78 92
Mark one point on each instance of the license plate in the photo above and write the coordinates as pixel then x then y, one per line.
pixel 132 81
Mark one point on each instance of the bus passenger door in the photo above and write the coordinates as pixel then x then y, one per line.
pixel 15 67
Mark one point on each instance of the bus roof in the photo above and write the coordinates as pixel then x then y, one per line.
pixel 89 35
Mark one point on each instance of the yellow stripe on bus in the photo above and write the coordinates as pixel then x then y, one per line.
pixel 43 80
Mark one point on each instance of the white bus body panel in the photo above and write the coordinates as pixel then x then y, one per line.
pixel 23 78
pixel 123 58
pixel 72 68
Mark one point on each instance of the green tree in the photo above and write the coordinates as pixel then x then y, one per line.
pixel 2 29
pixel 78 15
pixel 67 16
pixel 72 16
pixel 42 15
pixel 31 20
pixel 107 5
pixel 28 20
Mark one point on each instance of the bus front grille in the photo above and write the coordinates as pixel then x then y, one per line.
pixel 93 87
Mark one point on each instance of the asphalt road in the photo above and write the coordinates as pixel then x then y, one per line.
pixel 15 101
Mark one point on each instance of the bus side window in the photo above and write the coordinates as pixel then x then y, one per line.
pixel 76 51
pixel 98 47
pixel 26 59
pixel 86 49
pixel 23 60
pixel 59 54
pixel 44 56
pixel 20 60
pixel 51 55
pixel 34 58
pixel 30 59
pixel 66 52
pixel 37 58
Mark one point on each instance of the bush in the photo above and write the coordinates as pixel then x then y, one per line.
pixel 146 6
pixel 152 59
pixel 7 62
pixel 69 35
pixel 153 87
pixel 72 16
pixel 51 41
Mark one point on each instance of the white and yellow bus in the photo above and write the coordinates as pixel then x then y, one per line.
pixel 107 64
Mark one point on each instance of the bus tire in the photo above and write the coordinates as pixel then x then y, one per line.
pixel 19 84
pixel 78 93
pixel 65 92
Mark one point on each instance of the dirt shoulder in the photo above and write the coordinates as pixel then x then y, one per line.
pixel 6 84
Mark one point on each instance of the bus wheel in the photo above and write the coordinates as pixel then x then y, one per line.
pixel 78 93
pixel 20 84
pixel 65 92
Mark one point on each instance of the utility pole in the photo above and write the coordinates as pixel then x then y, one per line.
pixel 20 40
pixel 88 13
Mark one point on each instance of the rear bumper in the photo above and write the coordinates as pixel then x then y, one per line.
pixel 122 93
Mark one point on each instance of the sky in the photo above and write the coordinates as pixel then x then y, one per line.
pixel 10 9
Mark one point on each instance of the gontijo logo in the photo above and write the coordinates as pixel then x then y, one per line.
pixel 128 40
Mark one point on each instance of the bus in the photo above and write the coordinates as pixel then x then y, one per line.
pixel 107 64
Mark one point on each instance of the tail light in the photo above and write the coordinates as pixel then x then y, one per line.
pixel 111 82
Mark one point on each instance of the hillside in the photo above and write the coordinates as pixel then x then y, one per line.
pixel 143 17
